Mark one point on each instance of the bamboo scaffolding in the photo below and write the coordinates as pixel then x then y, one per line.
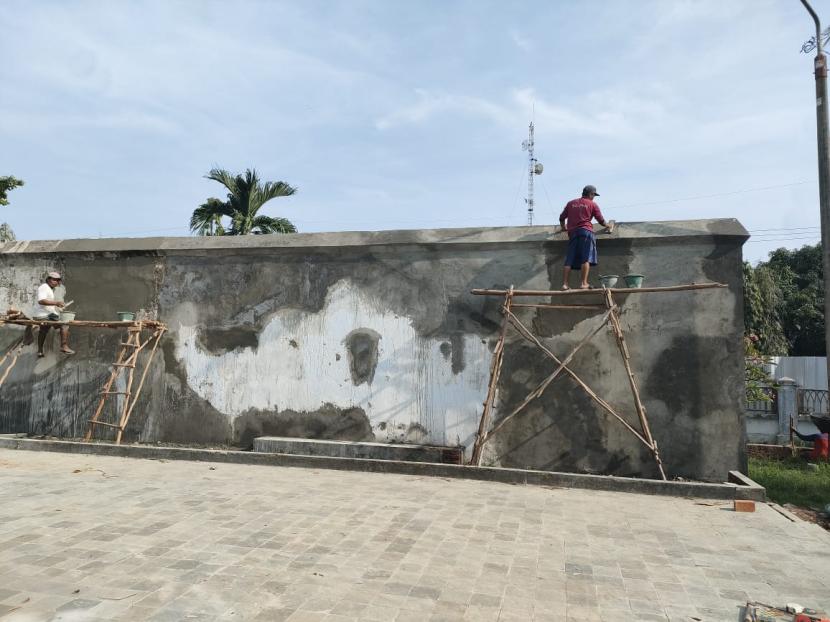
pixel 126 362
pixel 610 318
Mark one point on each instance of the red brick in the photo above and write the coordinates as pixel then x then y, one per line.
pixel 742 505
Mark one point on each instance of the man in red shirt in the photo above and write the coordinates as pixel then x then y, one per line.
pixel 582 247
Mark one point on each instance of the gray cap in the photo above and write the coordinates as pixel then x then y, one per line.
pixel 54 275
pixel 590 190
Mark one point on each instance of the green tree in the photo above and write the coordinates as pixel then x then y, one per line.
pixel 7 184
pixel 763 299
pixel 246 196
pixel 784 302
pixel 801 278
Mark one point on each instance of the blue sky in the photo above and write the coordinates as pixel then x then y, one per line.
pixel 392 114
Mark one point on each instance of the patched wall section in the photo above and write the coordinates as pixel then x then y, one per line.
pixel 378 338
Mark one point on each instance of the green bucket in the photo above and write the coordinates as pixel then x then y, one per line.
pixel 125 316
pixel 634 280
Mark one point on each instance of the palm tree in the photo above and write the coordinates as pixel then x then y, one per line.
pixel 246 196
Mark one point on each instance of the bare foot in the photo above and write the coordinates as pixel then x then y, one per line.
pixel 67 350
pixel 585 286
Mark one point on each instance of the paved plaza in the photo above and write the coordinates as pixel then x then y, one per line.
pixel 99 538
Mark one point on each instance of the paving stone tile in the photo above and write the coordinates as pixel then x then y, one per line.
pixel 244 542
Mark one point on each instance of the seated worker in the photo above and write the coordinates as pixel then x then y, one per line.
pixel 820 441
pixel 46 308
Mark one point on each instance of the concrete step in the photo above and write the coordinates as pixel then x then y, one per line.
pixel 358 449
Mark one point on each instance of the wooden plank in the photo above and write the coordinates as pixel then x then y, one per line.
pixel 86 323
pixel 541 306
pixel 599 292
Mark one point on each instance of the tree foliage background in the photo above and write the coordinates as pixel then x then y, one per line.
pixel 784 303
pixel 239 213
pixel 7 184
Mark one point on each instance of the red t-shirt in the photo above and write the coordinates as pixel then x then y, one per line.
pixel 579 213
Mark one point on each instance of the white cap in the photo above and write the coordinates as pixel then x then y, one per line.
pixel 54 275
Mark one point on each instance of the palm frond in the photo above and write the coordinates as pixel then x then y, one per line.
pixel 274 189
pixel 224 177
pixel 207 218
pixel 267 224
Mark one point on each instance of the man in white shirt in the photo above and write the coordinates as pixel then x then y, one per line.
pixel 47 308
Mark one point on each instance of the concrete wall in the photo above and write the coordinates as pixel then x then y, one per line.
pixel 375 336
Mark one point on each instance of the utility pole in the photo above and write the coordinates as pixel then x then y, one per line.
pixel 820 64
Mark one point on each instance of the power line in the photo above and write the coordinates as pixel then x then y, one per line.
pixel 713 196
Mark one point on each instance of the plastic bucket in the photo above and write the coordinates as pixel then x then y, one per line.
pixel 67 316
pixel 634 280
pixel 125 316
pixel 608 280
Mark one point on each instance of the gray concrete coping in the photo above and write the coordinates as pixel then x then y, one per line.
pixel 470 236
pixel 729 491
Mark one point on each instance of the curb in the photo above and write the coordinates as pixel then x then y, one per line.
pixel 609 483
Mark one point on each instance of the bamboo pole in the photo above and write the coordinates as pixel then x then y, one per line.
pixel 10 349
pixel 16 347
pixel 492 387
pixel 135 334
pixel 114 373
pixel 641 411
pixel 595 292
pixel 158 334
pixel 525 332
pixel 544 384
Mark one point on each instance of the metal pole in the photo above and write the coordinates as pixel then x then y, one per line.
pixel 820 64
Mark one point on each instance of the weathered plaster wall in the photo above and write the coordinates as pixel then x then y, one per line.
pixel 375 336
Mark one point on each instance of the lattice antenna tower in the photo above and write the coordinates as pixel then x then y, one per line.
pixel 534 167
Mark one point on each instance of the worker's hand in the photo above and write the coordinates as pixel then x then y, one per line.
pixel 59 304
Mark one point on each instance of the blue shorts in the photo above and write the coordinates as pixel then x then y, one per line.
pixel 582 247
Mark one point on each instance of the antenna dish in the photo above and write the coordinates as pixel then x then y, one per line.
pixel 524 145
pixel 538 168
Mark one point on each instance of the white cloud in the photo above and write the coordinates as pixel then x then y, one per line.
pixel 519 40
pixel 429 105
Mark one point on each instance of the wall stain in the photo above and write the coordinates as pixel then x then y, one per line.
pixel 222 340
pixel 362 346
